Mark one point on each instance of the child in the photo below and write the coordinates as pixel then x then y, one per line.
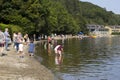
pixel 21 48
pixel 31 48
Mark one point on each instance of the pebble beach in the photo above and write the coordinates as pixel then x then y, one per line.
pixel 12 67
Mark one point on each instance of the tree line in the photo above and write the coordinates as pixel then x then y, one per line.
pixel 54 16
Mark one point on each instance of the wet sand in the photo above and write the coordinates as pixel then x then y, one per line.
pixel 12 67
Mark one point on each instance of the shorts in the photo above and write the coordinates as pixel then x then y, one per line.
pixel 31 51
pixel 1 44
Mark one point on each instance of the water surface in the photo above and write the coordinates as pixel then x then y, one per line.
pixel 86 59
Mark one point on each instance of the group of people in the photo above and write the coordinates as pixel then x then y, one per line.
pixel 58 49
pixel 51 43
pixel 19 42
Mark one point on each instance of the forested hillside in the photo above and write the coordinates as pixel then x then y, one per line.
pixel 54 16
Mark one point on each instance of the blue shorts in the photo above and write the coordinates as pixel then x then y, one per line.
pixel 31 51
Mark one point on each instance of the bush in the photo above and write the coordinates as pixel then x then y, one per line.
pixel 116 33
pixel 12 28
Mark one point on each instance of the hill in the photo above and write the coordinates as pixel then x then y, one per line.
pixel 54 16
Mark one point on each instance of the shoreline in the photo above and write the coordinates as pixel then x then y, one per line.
pixel 28 68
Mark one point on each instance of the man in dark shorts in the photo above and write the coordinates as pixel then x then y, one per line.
pixel 2 42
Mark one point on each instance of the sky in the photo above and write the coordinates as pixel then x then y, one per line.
pixel 109 5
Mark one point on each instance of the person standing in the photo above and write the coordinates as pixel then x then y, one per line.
pixel 7 39
pixel 21 46
pixel 18 40
pixel 26 39
pixel 49 39
pixel 2 42
pixel 31 48
pixel 14 39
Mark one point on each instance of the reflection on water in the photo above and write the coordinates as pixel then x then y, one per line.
pixel 86 59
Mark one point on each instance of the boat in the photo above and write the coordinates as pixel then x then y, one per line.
pixel 93 36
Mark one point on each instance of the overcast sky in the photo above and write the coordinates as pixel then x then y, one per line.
pixel 110 5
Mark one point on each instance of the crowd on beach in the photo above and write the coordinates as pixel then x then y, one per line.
pixel 19 42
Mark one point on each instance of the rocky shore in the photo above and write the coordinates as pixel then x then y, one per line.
pixel 12 67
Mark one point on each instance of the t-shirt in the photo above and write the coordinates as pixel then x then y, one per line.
pixel 60 47
pixel 7 35
pixel 31 47
pixel 15 38
pixel 56 48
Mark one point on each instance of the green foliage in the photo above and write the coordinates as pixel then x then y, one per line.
pixel 54 16
pixel 12 28
pixel 116 33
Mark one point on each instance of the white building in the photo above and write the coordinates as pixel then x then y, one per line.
pixel 98 30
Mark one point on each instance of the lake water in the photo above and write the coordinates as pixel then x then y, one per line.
pixel 86 59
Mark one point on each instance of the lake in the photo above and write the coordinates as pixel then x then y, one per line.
pixel 86 59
